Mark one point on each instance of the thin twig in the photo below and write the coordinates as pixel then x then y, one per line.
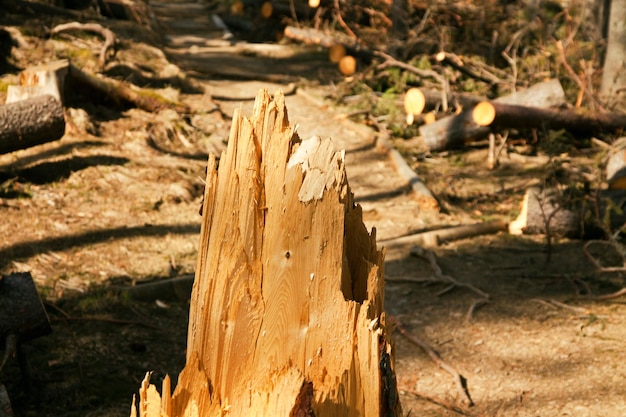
pixel 612 295
pixel 440 403
pixel 460 380
pixel 553 303
pixel 69 317
pixel 595 103
pixel 342 23
pixel 439 276
pixel 595 262
pixel 392 62
pixel 430 257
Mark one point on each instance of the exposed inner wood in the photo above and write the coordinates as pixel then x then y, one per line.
pixel 287 310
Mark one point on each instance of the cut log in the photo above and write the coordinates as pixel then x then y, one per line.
pixel 310 36
pixel 454 131
pixel 287 314
pixel 21 311
pixel 40 80
pixel 414 102
pixel 30 122
pixel 590 216
pixel 515 117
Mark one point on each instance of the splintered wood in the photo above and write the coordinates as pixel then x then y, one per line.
pixel 286 313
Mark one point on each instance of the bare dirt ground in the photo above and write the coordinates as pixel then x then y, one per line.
pixel 115 204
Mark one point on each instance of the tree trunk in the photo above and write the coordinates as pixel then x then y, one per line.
pixel 30 122
pixel 287 315
pixel 614 75
pixel 453 131
pixel 21 311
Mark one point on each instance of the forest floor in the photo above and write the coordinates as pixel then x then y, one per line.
pixel 114 205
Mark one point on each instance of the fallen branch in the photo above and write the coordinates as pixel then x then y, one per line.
pixel 584 90
pixel 437 237
pixel 310 36
pixel 107 34
pixel 460 380
pixel 390 61
pixel 554 303
pixel 287 90
pixel 440 403
pixel 423 194
pixel 612 295
pixel 68 317
pixel 482 72
pixel 597 263
pixel 439 276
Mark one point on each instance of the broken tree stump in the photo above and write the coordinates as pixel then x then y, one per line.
pixel 40 80
pixel 30 122
pixel 287 315
pixel 560 214
pixel 616 165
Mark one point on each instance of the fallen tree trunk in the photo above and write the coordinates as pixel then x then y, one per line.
pixel 508 116
pixel 287 314
pixel 454 131
pixel 30 122
pixel 21 311
pixel 123 94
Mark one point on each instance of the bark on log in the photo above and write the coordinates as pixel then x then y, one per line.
pixel 123 94
pixel 454 131
pixel 589 217
pixel 515 117
pixel 30 122
pixel 310 36
pixel 21 311
pixel 287 315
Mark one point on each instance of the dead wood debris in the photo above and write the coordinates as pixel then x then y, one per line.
pixel 288 90
pixel 460 380
pixel 107 34
pixel 68 317
pixel 439 276
pixel 436 237
pixel 440 403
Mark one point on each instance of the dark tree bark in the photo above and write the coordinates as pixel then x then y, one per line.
pixel 30 122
